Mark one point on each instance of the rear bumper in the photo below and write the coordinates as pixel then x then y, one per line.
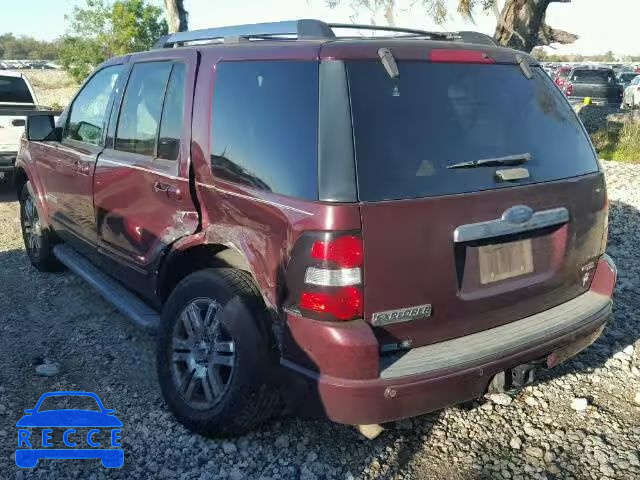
pixel 596 100
pixel 436 376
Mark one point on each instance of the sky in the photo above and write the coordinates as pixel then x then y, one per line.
pixel 602 25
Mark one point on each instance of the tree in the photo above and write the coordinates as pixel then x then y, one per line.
pixel 102 30
pixel 27 48
pixel 177 16
pixel 520 23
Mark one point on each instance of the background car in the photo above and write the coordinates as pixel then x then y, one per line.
pixel 625 78
pixel 632 93
pixel 596 83
pixel 561 76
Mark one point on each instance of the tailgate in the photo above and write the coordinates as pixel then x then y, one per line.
pixel 488 278
pixel 9 133
pixel 453 251
pixel 612 93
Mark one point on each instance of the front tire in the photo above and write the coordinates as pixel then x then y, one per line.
pixel 38 240
pixel 216 354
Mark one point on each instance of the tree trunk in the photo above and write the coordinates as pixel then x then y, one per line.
pixel 389 13
pixel 176 15
pixel 522 25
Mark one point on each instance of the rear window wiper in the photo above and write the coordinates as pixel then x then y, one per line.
pixel 494 162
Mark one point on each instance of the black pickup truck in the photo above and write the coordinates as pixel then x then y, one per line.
pixel 598 84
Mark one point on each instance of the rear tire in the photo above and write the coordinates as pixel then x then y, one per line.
pixel 38 240
pixel 216 354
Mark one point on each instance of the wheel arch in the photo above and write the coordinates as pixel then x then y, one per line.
pixel 23 174
pixel 189 257
pixel 20 179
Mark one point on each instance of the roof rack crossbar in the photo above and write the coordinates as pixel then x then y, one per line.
pixel 303 30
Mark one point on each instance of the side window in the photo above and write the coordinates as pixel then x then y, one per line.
pixel 264 126
pixel 141 108
pixel 89 110
pixel 172 115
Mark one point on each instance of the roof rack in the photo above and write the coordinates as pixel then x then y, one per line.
pixel 305 30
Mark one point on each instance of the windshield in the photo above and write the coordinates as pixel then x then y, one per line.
pixel 409 130
pixel 14 90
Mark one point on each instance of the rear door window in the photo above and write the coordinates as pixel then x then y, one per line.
pixel 172 115
pixel 141 109
pixel 14 90
pixel 264 126
pixel 407 131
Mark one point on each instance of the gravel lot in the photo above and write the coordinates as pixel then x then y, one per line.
pixel 581 421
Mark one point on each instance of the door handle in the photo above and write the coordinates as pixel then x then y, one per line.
pixel 169 190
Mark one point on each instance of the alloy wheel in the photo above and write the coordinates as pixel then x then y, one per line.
pixel 202 354
pixel 32 228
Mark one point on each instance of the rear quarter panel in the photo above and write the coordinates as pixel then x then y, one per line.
pixel 262 226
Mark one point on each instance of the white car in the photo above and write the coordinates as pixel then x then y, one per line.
pixel 632 94
pixel 17 100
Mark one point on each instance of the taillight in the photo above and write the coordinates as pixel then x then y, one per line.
pixel 342 303
pixel 587 272
pixel 324 276
pixel 569 90
pixel 345 251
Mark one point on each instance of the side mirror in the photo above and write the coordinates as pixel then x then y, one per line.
pixel 42 128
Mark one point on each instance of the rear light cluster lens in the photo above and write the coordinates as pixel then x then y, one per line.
pixel 569 90
pixel 332 278
pixel 587 272
pixel 344 303
pixel 344 251
pixel 325 276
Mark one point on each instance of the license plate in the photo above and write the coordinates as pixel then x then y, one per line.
pixel 506 260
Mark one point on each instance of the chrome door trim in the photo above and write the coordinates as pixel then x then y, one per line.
pixel 517 219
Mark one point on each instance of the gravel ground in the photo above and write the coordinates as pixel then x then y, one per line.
pixel 581 421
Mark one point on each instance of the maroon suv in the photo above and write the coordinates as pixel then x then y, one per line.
pixel 365 229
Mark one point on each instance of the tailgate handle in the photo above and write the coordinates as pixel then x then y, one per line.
pixel 517 219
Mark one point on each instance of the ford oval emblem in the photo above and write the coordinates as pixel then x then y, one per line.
pixel 518 214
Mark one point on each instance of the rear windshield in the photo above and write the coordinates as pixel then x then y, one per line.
pixel 14 90
pixel 408 130
pixel 592 76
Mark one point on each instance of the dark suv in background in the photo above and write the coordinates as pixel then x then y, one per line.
pixel 598 84
pixel 365 229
